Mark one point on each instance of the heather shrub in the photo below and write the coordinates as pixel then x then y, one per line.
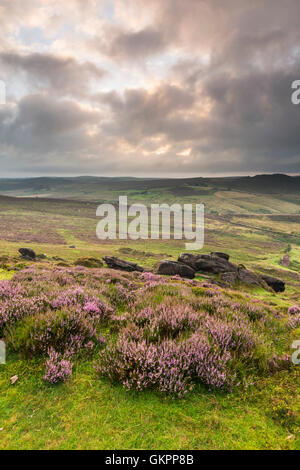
pixel 120 296
pixel 66 331
pixel 294 322
pixel 171 367
pixel 18 307
pixel 294 310
pixel 162 333
pixel 58 368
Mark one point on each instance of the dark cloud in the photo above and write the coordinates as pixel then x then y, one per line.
pixel 128 45
pixel 140 113
pixel 64 75
pixel 42 125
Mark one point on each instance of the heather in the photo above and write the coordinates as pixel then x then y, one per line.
pixel 143 331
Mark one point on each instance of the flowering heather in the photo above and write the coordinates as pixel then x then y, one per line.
pixel 170 367
pixel 152 332
pixel 67 331
pixel 294 310
pixel 58 369
pixel 294 322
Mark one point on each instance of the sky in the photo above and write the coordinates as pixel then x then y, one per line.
pixel 149 88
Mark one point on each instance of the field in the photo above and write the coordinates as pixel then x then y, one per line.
pixel 255 225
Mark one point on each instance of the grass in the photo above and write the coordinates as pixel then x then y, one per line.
pixel 92 414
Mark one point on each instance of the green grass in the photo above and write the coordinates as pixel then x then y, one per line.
pixel 88 413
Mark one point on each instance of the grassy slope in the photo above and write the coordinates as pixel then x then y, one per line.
pixel 91 414
pixel 87 413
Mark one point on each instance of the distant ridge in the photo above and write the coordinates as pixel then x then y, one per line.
pixel 83 186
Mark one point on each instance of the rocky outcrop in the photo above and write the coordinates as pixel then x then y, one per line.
pixel 220 255
pixel 212 263
pixel 172 268
pixel 27 253
pixel 230 277
pixel 276 284
pixel 241 275
pixel 122 265
pixel 249 277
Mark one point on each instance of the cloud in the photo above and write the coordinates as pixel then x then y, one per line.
pixel 63 75
pixel 193 87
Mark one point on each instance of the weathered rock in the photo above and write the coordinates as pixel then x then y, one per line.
pixel 220 255
pixel 229 277
pixel 89 262
pixel 172 268
pixel 249 277
pixel 72 246
pixel 122 265
pixel 276 284
pixel 285 261
pixel 14 379
pixel 27 253
pixel 207 263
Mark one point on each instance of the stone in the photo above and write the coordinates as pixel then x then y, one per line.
pixel 122 265
pixel 276 284
pixel 249 277
pixel 207 263
pixel 14 379
pixel 285 261
pixel 173 268
pixel 229 277
pixel 220 255
pixel 27 253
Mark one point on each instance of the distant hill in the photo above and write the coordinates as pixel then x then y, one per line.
pixel 90 187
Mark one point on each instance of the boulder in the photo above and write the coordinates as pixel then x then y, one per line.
pixel 249 277
pixel 173 268
pixel 207 263
pixel 220 255
pixel 122 265
pixel 276 284
pixel 285 261
pixel 27 253
pixel 229 277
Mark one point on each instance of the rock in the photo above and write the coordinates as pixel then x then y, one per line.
pixel 173 268
pixel 276 284
pixel 89 262
pixel 229 277
pixel 72 246
pixel 41 256
pixel 249 277
pixel 220 255
pixel 207 263
pixel 14 379
pixel 285 261
pixel 121 265
pixel 27 253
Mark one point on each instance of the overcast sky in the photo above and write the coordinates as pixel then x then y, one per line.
pixel 149 87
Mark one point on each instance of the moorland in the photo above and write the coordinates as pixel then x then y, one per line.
pixel 246 395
